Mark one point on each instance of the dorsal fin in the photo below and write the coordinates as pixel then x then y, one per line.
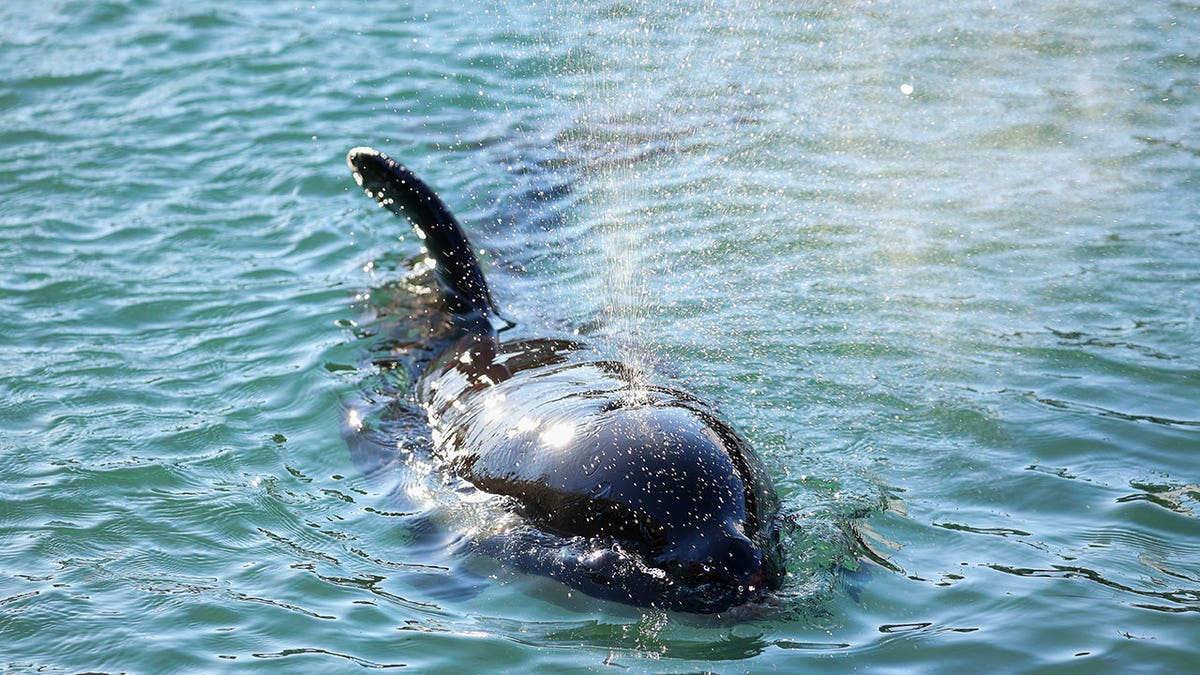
pixel 400 191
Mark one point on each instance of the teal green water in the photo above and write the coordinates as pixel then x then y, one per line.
pixel 940 263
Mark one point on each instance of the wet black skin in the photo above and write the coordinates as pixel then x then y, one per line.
pixel 630 490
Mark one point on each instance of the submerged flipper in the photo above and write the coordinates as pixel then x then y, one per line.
pixel 401 192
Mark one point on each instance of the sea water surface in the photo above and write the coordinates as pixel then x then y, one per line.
pixel 939 261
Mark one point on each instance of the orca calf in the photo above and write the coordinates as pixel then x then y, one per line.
pixel 625 490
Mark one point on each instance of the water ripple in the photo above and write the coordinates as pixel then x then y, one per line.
pixel 947 250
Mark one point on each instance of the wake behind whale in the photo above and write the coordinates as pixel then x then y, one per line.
pixel 621 488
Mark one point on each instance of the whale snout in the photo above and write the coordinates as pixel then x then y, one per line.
pixel 729 560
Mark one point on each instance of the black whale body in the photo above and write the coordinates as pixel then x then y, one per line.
pixel 627 490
